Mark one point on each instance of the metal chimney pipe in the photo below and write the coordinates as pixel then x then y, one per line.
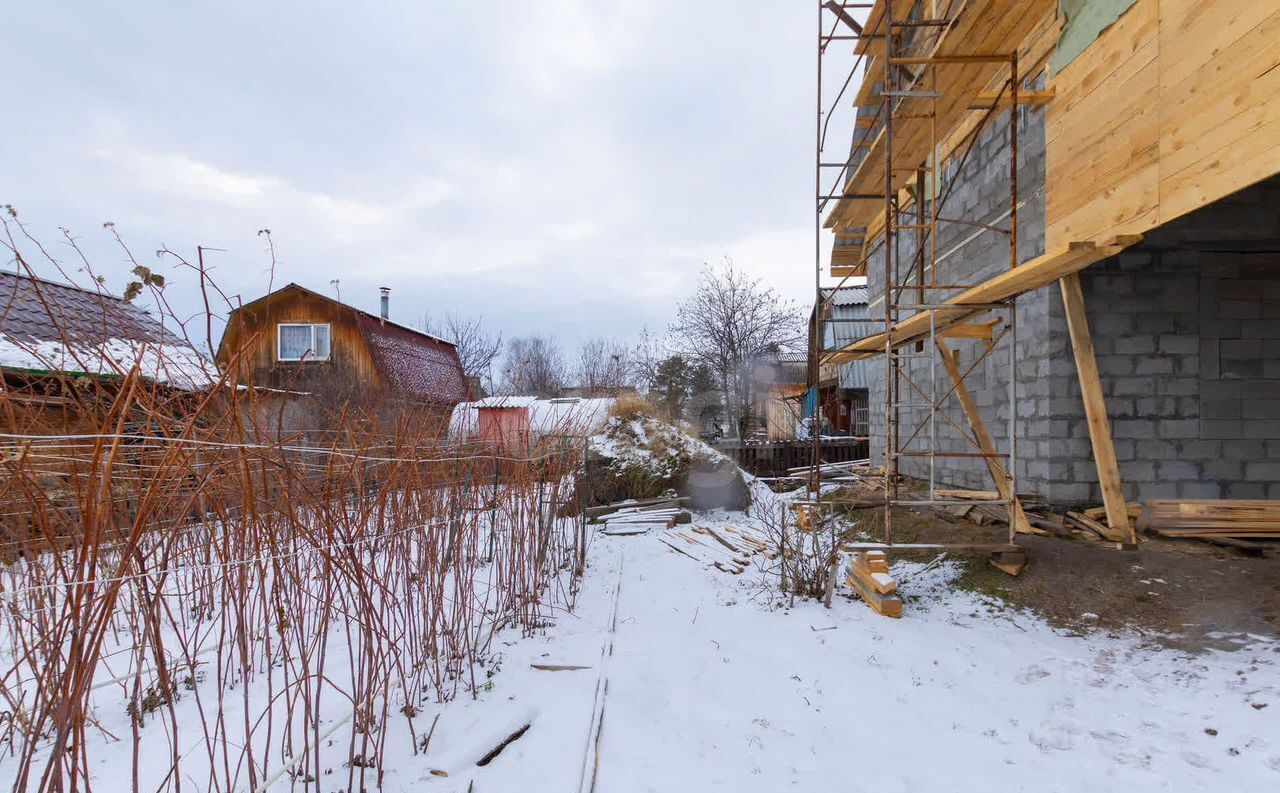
pixel 386 301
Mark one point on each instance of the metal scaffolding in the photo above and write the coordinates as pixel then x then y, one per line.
pixel 914 82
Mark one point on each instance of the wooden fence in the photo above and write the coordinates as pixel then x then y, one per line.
pixel 773 459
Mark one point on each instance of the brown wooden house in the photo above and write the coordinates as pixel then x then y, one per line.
pixel 301 341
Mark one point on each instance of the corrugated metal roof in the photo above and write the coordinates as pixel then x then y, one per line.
pixel 546 416
pixel 503 402
pixel 854 374
pixel 840 332
pixel 844 327
pixel 848 295
pixel 793 357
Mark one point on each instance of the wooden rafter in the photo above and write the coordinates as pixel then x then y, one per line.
pixel 980 28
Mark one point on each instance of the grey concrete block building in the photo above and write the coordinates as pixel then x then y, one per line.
pixel 1186 328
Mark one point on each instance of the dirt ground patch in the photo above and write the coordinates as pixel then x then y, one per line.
pixel 1183 593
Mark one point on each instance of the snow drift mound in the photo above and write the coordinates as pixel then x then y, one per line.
pixel 643 457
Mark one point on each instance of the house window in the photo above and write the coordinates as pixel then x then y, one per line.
pixel 302 342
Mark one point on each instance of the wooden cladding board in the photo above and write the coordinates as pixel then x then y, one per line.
pixel 1173 107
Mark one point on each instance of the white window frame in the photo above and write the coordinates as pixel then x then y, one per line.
pixel 309 354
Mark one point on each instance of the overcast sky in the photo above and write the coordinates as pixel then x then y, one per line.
pixel 560 166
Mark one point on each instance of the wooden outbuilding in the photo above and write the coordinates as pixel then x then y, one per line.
pixel 301 341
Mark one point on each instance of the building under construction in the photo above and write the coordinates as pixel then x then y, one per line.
pixel 1067 216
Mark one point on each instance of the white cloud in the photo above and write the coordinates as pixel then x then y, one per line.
pixel 557 43
pixel 179 175
pixel 571 231
pixel 566 168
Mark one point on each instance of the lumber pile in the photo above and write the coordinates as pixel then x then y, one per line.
pixel 984 512
pixel 869 577
pixel 726 548
pixel 1088 524
pixel 1241 523
pixel 631 504
pixel 851 471
pixel 631 517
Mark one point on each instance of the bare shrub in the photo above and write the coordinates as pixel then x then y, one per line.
pixel 265 601
pixel 805 554
pixel 629 407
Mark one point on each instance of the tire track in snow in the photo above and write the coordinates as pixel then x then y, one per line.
pixel 591 752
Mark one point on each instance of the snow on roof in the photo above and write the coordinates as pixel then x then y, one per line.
pixel 51 327
pixel 561 416
pixel 505 402
pixel 416 365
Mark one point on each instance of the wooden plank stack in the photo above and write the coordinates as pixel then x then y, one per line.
pixel 852 471
pixel 869 577
pixel 661 502
pixel 726 548
pixel 1241 523
pixel 632 517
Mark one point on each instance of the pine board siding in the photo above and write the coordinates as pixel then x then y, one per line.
pixel 1173 107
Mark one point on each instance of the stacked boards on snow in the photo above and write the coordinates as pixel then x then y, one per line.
pixel 869 577
pixel 630 517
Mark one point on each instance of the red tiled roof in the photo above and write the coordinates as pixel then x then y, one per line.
pixel 413 364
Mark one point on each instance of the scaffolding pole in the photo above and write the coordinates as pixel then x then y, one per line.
pixel 915 410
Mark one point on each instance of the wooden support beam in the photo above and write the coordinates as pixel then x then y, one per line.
pixel 1038 272
pixel 971 330
pixel 977 547
pixel 838 9
pixel 1095 408
pixel 1017 517
pixel 986 99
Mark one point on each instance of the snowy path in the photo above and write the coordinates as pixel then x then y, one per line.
pixel 707 690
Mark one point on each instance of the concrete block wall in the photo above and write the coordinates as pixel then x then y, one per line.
pixel 1188 343
pixel 979 193
pixel 1186 328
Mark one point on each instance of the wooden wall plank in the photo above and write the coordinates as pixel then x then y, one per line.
pixel 1220 132
pixel 1102 134
pixel 1172 108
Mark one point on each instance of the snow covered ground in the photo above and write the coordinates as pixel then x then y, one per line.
pixel 694 683
pixel 674 676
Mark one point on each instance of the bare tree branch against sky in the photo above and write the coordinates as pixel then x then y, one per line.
pixel 565 170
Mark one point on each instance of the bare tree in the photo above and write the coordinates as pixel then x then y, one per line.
pixel 730 321
pixel 645 359
pixel 477 347
pixel 602 365
pixel 534 366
